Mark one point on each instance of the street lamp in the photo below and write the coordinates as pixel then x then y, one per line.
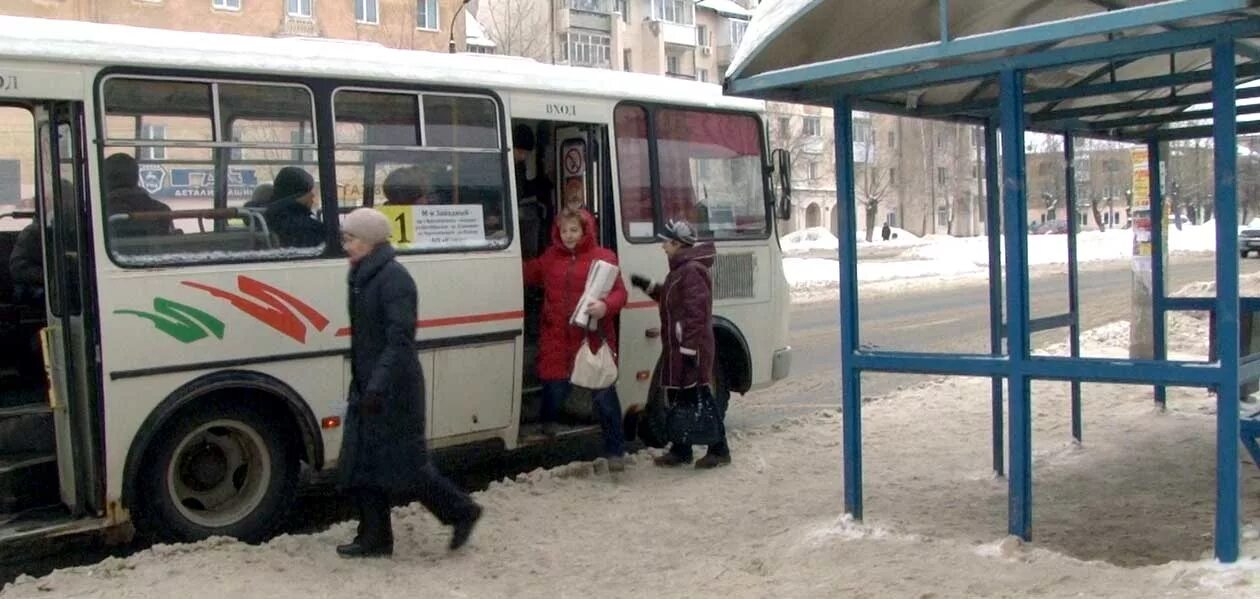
pixel 450 45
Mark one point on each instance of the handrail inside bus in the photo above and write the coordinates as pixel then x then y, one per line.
pixel 16 214
pixel 253 217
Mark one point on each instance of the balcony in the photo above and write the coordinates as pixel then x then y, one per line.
pixel 589 20
pixel 681 76
pixel 299 27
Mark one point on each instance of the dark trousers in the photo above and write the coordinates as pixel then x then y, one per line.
pixel 607 410
pixel 436 493
pixel 690 395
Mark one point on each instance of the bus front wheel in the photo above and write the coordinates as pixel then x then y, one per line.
pixel 223 472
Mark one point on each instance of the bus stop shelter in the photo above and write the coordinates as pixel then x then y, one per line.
pixel 1137 71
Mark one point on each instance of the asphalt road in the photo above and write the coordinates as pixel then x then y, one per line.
pixel 955 318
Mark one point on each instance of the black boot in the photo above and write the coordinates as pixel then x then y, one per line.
pixel 361 549
pixel 464 528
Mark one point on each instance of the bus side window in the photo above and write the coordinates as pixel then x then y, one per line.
pixel 431 162
pixel 177 189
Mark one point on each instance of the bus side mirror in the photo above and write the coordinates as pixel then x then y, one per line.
pixel 781 168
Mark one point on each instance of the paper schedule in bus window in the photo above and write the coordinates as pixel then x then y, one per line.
pixel 438 226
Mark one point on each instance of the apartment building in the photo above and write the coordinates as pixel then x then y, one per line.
pixel 409 24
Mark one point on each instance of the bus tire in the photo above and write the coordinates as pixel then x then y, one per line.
pixel 228 471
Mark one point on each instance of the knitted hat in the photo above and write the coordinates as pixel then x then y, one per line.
pixel 367 225
pixel 292 182
pixel 678 230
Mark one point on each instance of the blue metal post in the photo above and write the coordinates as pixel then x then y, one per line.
pixel 1154 156
pixel 993 228
pixel 1014 198
pixel 852 377
pixel 1074 288
pixel 1224 123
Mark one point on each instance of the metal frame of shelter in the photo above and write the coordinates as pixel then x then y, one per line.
pixel 1132 33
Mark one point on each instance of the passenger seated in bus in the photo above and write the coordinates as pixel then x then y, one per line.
pixel 407 186
pixel 290 215
pixel 261 197
pixel 123 195
pixel 26 266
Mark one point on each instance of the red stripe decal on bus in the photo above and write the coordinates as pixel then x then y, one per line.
pixel 471 319
pixel 454 320
pixel 638 305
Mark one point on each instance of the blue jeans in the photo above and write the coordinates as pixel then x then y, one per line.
pixel 607 411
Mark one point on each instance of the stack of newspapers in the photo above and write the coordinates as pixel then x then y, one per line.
pixel 599 282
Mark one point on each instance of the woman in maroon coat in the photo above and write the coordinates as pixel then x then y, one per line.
pixel 686 305
pixel 561 272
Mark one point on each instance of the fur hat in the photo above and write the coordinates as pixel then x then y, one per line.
pixel 368 225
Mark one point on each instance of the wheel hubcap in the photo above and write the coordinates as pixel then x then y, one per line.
pixel 219 473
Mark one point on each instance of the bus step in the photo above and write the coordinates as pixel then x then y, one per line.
pixel 24 410
pixel 531 434
pixel 27 480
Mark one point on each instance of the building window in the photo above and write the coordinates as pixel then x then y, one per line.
pixel 813 171
pixel 427 14
pixel 672 65
pixel 623 7
pixel 682 12
pixel 940 175
pixel 813 126
pixel 625 60
pixel 892 176
pixel 892 139
pixel 704 75
pixel 942 216
pixel 862 132
pixel 599 6
pixel 702 36
pixel 1084 222
pixel 367 11
pixel 588 49
pixel 299 8
pixel 153 132
pixel 226 4
pixel 940 141
pixel 785 125
pixel 737 32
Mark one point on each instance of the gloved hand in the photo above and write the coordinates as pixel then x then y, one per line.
pixel 371 403
pixel 641 282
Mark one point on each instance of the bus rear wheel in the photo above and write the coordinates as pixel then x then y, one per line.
pixel 228 472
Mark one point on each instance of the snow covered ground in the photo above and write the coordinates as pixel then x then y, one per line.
pixel 940 259
pixel 1126 514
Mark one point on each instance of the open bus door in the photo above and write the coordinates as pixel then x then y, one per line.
pixel 69 340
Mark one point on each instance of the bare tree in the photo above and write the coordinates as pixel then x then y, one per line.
pixel 873 182
pixel 518 27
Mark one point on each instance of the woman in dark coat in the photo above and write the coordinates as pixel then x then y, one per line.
pixel 685 300
pixel 383 447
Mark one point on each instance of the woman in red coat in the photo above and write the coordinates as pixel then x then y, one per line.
pixel 686 307
pixel 561 272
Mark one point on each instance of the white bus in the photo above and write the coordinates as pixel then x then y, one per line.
pixel 193 362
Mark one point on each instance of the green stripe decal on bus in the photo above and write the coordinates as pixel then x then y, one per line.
pixel 185 323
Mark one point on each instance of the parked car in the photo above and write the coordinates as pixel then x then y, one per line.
pixel 1248 241
pixel 1050 227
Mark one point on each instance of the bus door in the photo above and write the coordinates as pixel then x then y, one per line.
pixel 69 341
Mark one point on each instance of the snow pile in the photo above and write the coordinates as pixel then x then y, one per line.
pixel 959 259
pixel 821 239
